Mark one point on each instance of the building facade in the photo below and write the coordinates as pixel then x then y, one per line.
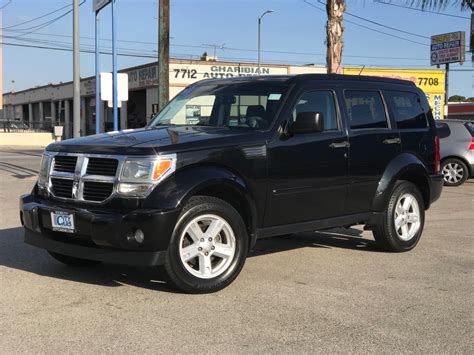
pixel 51 105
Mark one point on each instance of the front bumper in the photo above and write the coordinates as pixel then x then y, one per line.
pixel 436 186
pixel 100 234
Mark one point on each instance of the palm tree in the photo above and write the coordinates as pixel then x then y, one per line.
pixel 334 29
pixel 335 26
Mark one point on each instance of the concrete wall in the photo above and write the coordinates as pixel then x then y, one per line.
pixel 26 139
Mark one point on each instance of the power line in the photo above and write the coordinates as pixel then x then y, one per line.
pixel 187 56
pixel 381 24
pixel 36 18
pixel 369 28
pixel 229 48
pixel 421 10
pixel 45 24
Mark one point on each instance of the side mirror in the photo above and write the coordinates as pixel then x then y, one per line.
pixel 308 122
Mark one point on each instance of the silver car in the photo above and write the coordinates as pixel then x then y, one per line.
pixel 456 140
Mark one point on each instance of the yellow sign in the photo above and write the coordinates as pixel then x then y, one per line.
pixel 432 82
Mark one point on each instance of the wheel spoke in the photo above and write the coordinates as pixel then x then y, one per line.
pixel 407 202
pixel 398 221
pixel 399 209
pixel 214 228
pixel 413 218
pixel 404 231
pixel 205 266
pixel 195 232
pixel 223 251
pixel 189 252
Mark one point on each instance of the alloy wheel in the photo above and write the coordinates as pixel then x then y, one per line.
pixel 407 217
pixel 207 246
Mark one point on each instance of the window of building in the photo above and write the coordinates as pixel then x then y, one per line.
pixel 365 109
pixel 407 109
pixel 318 101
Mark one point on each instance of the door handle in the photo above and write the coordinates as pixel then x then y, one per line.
pixel 392 141
pixel 344 144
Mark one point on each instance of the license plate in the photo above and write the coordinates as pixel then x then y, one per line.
pixel 62 222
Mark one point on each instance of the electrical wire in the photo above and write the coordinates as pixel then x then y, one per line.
pixel 347 13
pixel 369 28
pixel 420 10
pixel 37 18
pixel 190 56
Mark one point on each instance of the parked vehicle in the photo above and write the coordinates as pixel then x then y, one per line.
pixel 260 157
pixel 456 150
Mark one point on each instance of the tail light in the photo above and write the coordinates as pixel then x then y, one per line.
pixel 471 147
pixel 437 157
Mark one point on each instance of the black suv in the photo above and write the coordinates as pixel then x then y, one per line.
pixel 231 161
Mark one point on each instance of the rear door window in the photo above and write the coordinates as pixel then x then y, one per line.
pixel 365 109
pixel 470 127
pixel 407 109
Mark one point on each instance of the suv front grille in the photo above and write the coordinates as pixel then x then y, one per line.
pixel 81 177
pixel 62 187
pixel 102 166
pixel 64 163
pixel 97 191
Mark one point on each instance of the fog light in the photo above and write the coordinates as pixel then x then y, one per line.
pixel 139 236
pixel 136 236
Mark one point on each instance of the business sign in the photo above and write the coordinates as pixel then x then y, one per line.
pixel 99 4
pixel 183 74
pixel 430 81
pixel 448 48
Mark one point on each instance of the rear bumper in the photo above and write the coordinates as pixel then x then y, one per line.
pixel 436 186
pixel 100 234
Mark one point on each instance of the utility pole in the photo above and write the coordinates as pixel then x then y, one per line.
pixel 76 112
pixel 163 52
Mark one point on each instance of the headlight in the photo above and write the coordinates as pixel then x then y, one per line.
pixel 44 170
pixel 139 175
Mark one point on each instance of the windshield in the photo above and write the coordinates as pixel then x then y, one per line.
pixel 235 105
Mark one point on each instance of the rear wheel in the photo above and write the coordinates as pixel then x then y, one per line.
pixel 71 261
pixel 454 171
pixel 402 223
pixel 208 247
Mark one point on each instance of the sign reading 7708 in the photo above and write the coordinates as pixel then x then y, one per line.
pixel 428 81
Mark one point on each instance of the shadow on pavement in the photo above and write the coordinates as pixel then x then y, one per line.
pixel 17 255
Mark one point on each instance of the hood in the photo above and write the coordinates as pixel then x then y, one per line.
pixel 150 140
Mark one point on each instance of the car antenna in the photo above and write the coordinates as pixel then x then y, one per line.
pixel 362 70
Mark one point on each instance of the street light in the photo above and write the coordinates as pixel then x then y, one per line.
pixel 259 23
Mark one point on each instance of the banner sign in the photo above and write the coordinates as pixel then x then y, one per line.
pixel 430 81
pixel 448 48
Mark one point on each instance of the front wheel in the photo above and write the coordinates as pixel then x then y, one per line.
pixel 401 225
pixel 208 247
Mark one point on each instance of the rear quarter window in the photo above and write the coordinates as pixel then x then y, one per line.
pixel 407 109
pixel 470 127
pixel 443 130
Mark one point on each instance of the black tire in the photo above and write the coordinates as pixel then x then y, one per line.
pixel 385 233
pixel 72 261
pixel 183 279
pixel 453 180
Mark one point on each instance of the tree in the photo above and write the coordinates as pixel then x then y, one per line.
pixel 334 30
pixel 427 4
pixel 457 98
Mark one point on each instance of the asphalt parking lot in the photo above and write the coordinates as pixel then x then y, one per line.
pixel 319 292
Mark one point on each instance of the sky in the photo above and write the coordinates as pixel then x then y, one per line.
pixel 293 34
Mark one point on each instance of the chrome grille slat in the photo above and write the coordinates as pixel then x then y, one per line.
pixel 102 166
pixel 66 164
